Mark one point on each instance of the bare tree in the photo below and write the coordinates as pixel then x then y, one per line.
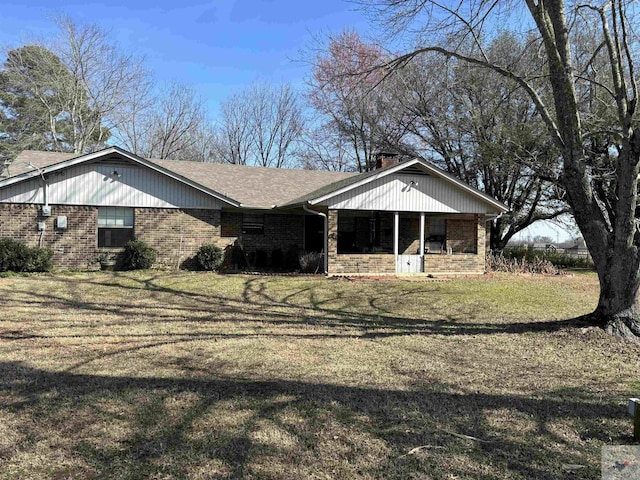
pixel 202 146
pixel 342 89
pixel 175 124
pixel 484 129
pixel 275 123
pixel 601 185
pixel 233 135
pixel 260 126
pixel 133 120
pixel 102 78
pixel 323 148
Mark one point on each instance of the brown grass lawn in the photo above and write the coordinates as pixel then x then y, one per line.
pixel 189 375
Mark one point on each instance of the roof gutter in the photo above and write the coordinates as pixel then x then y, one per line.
pixel 492 217
pixel 256 207
pixel 326 234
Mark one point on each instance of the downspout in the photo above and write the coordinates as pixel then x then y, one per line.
pixel 326 234
pixel 45 191
pixel 45 195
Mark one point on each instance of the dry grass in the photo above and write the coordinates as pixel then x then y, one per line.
pixel 202 376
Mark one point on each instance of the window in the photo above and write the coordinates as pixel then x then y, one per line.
pixel 437 237
pixel 115 226
pixel 253 224
pixel 359 233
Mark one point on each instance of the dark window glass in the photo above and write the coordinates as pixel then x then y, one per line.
pixel 114 237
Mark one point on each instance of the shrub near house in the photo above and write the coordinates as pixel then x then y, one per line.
pixel 17 257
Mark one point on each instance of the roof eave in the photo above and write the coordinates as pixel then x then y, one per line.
pixel 401 166
pixel 135 158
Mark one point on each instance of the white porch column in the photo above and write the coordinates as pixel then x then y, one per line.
pixel 421 233
pixel 325 217
pixel 396 233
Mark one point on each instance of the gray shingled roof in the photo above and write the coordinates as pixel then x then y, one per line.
pixel 251 186
pixel 254 186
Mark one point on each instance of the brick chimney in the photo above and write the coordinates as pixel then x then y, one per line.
pixel 386 159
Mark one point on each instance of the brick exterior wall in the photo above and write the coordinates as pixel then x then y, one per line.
pixel 281 231
pixel 74 247
pixel 177 234
pixel 464 232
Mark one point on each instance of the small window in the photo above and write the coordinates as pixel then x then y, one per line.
pixel 253 224
pixel 115 226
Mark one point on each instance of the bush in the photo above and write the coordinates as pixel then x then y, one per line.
pixel 561 260
pixel 261 259
pixel 292 258
pixel 15 256
pixel 312 262
pixel 209 257
pixel 138 255
pixel 498 262
pixel 238 258
pixel 277 259
pixel 41 260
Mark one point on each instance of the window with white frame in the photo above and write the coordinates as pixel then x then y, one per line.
pixel 115 226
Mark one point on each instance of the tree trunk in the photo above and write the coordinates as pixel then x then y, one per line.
pixel 618 310
pixel 496 242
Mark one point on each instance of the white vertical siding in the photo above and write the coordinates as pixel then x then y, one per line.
pixel 395 192
pixel 93 184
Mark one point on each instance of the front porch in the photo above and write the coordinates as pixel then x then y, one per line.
pixel 366 242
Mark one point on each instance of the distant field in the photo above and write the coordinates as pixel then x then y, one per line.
pixel 189 375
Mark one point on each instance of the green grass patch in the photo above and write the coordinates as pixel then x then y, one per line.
pixel 197 375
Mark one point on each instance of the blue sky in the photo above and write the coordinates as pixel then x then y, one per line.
pixel 217 47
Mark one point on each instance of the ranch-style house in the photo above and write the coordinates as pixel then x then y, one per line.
pixel 404 217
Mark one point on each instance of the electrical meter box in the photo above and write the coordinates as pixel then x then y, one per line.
pixel 61 222
pixel 42 226
pixel 45 211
